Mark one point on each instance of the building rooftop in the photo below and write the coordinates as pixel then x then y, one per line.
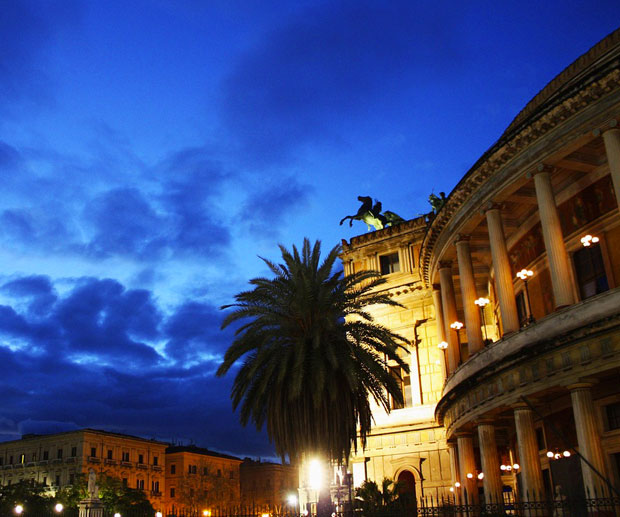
pixel 199 450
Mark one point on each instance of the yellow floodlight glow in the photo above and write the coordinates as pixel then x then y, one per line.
pixel 292 499
pixel 315 474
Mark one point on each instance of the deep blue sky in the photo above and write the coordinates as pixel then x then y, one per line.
pixel 150 150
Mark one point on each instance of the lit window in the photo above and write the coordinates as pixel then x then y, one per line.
pixel 389 263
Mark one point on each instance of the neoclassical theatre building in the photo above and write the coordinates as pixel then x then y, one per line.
pixel 511 296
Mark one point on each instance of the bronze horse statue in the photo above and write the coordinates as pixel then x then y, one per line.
pixel 372 215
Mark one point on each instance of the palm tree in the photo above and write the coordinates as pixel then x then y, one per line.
pixel 313 356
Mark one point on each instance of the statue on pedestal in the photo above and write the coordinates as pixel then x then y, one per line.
pixel 92 505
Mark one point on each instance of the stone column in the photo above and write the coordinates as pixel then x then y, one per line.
pixel 559 267
pixel 611 137
pixel 448 302
pixel 468 292
pixel 531 473
pixel 467 463
pixel 454 467
pixel 588 438
pixel 441 329
pixel 501 268
pixel 489 458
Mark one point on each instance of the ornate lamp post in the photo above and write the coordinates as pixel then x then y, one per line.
pixel 457 325
pixel 443 346
pixel 524 274
pixel 482 303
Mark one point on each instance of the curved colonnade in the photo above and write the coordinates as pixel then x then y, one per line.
pixel 537 369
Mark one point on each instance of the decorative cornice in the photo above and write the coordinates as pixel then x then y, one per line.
pixel 419 223
pixel 514 142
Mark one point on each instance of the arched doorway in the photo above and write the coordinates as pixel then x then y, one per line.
pixel 406 482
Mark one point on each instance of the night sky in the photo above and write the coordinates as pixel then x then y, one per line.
pixel 151 150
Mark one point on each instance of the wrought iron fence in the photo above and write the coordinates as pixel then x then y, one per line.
pixel 427 507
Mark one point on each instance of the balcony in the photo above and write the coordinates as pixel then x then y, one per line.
pixel 93 459
pixel 563 322
pixel 142 466
pixel 156 467
pixel 70 460
pixel 57 460
pixel 155 493
pixel 126 463
pixel 109 461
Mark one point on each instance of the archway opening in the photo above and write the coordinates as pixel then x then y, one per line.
pixel 406 488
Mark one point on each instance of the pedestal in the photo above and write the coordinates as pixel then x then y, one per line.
pixel 90 508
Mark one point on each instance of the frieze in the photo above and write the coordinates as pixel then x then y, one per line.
pixel 500 156
pixel 602 353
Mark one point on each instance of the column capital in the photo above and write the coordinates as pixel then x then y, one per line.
pixel 485 421
pixel 463 434
pixel 491 205
pixel 443 264
pixel 461 237
pixel 581 385
pixel 540 168
pixel 612 124
pixel 520 406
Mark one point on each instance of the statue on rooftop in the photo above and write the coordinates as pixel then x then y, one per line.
pixel 436 202
pixel 372 215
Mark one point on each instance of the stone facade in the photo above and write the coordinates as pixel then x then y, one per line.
pixel 530 380
pixel 57 459
pixel 268 486
pixel 199 479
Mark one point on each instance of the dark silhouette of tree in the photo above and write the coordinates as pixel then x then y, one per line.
pixel 312 354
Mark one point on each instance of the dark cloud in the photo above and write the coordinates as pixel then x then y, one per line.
pixel 192 183
pixel 102 318
pixel 268 207
pixel 125 224
pixel 194 329
pixel 38 289
pixel 329 61
pixel 45 389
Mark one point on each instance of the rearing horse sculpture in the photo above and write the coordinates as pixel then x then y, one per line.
pixel 372 215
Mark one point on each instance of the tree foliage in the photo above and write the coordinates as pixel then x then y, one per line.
pixel 374 500
pixel 34 497
pixel 312 354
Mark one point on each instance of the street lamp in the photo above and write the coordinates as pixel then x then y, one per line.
pixel 457 325
pixel 524 274
pixel 588 240
pixel 19 509
pixel 482 303
pixel 58 508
